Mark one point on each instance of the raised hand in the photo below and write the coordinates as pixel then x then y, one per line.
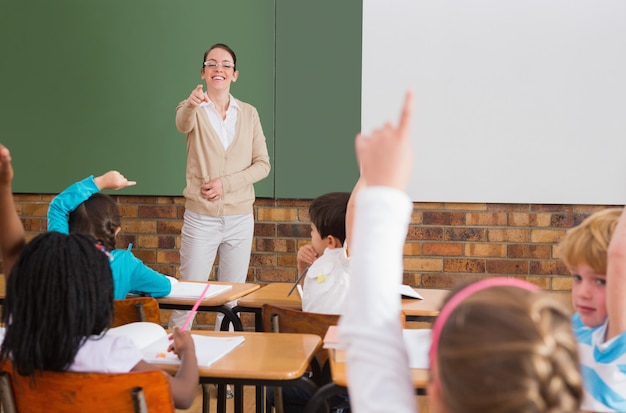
pixel 113 180
pixel 197 96
pixel 385 156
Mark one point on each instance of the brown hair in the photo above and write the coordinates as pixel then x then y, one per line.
pixel 99 217
pixel 223 47
pixel 506 349
pixel 589 242
pixel 328 213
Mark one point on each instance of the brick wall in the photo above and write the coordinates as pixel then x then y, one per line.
pixel 446 243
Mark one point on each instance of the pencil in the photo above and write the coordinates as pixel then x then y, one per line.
pixel 194 309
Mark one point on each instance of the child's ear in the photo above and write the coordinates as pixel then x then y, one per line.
pixel 117 231
pixel 332 242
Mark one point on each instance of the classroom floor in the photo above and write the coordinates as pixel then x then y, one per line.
pixel 249 405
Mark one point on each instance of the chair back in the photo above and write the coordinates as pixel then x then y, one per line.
pixel 134 309
pixel 146 391
pixel 287 320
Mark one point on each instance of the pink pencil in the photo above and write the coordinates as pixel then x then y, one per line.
pixel 194 308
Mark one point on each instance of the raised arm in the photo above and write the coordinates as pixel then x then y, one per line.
pixel 12 238
pixel 371 329
pixel 74 195
pixel 616 280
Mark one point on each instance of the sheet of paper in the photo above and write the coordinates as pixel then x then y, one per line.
pixel 208 349
pixel 185 289
pixel 407 291
pixel 417 342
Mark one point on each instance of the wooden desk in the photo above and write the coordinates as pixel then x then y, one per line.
pixel 339 385
pixel 215 304
pixel 276 294
pixel 263 359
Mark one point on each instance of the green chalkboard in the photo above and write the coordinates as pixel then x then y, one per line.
pixel 88 86
pixel 318 96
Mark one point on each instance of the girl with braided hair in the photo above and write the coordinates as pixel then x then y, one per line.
pixel 82 208
pixel 499 345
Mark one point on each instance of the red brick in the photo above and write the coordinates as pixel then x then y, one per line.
pixel 442 249
pixel 169 227
pixel 507 267
pixel 463 265
pixel 418 233
pixel 528 251
pixel 552 267
pixel 293 230
pixel 465 234
pixel 487 219
pixel 443 218
pixel 276 275
pixel 158 211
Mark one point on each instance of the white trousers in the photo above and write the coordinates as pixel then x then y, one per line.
pixel 202 238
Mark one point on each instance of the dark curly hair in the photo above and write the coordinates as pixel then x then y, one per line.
pixel 59 292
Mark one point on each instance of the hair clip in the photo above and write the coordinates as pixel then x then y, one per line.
pixel 105 251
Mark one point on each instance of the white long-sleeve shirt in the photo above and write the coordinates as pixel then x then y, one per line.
pixel 379 378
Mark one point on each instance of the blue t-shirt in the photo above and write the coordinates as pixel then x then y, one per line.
pixel 130 274
pixel 603 366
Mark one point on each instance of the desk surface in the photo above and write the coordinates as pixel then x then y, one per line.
pixel 262 356
pixel 238 290
pixel 276 294
pixel 340 377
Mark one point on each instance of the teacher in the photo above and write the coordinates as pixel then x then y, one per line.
pixel 226 154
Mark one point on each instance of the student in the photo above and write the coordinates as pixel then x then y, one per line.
pixel 59 305
pixel 81 208
pixel 226 155
pixel 328 276
pixel 595 254
pixel 481 361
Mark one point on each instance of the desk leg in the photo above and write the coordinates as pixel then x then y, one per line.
pixel 260 398
pixel 229 317
pixel 221 398
pixel 238 389
pixel 206 398
pixel 258 321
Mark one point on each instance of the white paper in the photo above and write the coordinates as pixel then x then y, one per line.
pixel 153 341
pixel 417 342
pixel 185 289
pixel 407 291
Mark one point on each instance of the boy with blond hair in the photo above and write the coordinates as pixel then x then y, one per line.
pixel 595 254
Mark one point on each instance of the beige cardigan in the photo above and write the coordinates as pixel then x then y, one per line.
pixel 245 162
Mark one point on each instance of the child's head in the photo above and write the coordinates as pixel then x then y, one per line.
pixel 499 345
pixel 328 220
pixel 59 292
pixel 97 216
pixel 584 251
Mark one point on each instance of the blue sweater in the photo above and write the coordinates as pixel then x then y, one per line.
pixel 130 274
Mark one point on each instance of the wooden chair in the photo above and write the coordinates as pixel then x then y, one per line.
pixel 286 320
pixel 147 391
pixel 134 309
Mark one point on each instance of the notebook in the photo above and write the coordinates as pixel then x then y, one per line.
pixel 153 341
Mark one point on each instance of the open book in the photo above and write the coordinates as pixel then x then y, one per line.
pixel 416 341
pixel 188 289
pixel 153 341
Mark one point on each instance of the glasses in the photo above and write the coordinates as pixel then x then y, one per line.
pixel 211 64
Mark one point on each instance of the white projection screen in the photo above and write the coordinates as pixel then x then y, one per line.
pixel 518 101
